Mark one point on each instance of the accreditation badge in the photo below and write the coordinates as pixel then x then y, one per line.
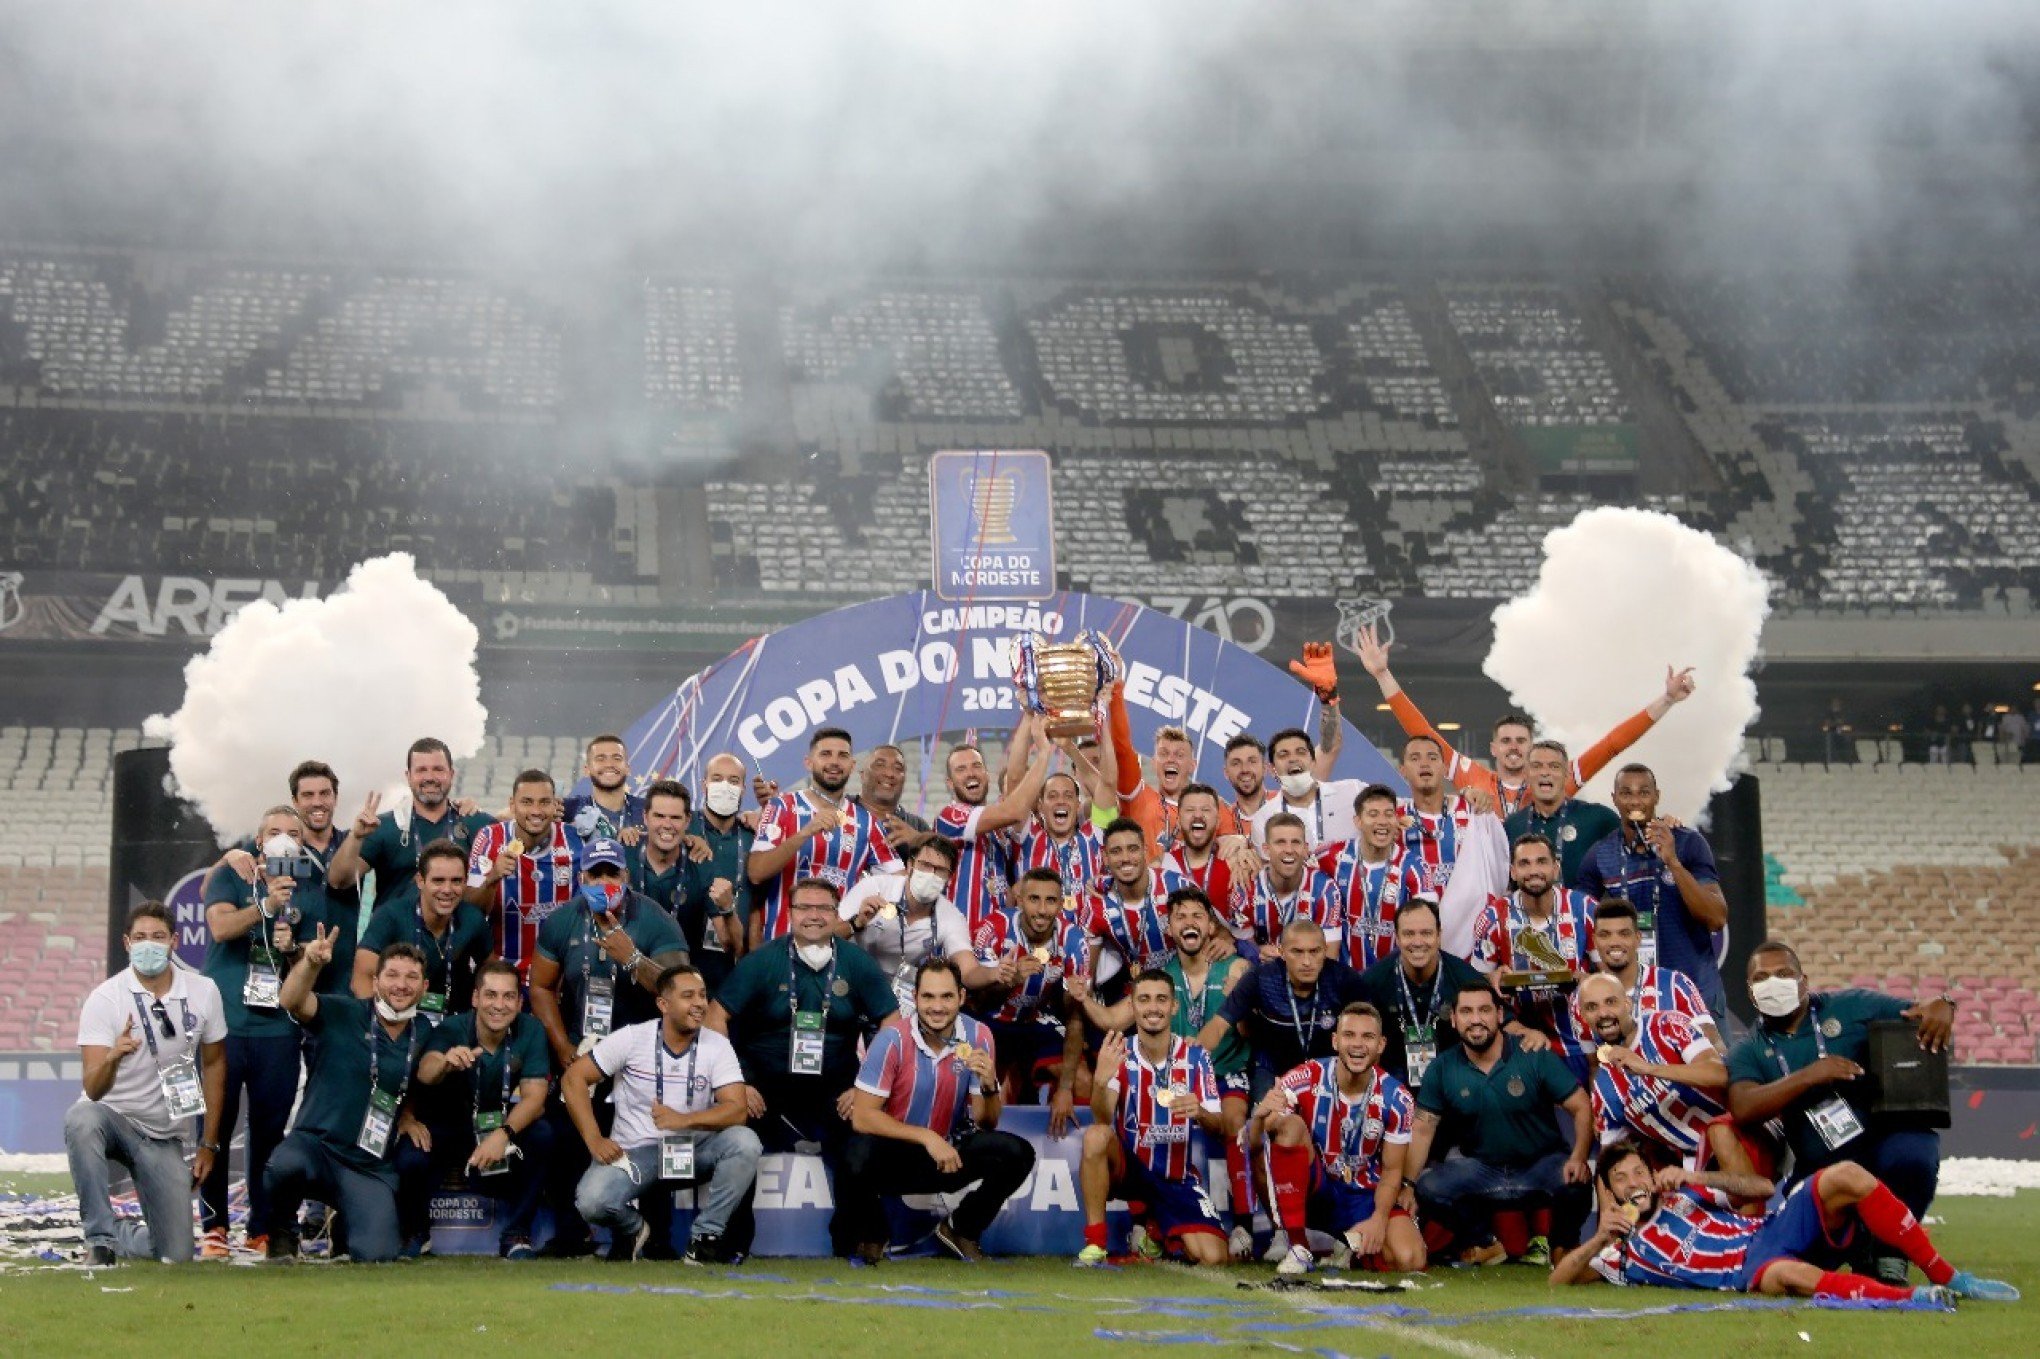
pixel 598 1007
pixel 181 1089
pixel 263 986
pixel 376 1123
pixel 805 1059
pixel 676 1156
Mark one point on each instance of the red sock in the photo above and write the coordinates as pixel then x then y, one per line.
pixel 1242 1182
pixel 1094 1234
pixel 1289 1168
pixel 1859 1286
pixel 1893 1223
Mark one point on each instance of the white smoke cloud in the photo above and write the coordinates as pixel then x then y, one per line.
pixel 351 679
pixel 1622 594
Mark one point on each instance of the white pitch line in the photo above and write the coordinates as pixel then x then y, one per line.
pixel 1422 1336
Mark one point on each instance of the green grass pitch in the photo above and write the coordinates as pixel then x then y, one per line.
pixel 1001 1310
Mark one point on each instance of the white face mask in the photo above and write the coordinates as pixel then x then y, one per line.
pixel 280 846
pixel 1777 997
pixel 1299 784
pixel 815 956
pixel 723 798
pixel 391 1014
pixel 925 886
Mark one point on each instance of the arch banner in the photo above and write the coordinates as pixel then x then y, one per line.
pixel 912 666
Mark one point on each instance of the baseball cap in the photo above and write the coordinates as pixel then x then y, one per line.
pixel 601 852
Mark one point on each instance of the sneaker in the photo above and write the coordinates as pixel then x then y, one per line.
pixel 101 1255
pixel 1493 1253
pixel 414 1247
pixel 1091 1257
pixel 1341 1256
pixel 1967 1285
pixel 1278 1248
pixel 214 1245
pixel 1297 1260
pixel 1240 1245
pixel 257 1246
pixel 1539 1252
pixel 517 1248
pixel 868 1253
pixel 706 1250
pixel 1935 1296
pixel 568 1248
pixel 625 1248
pixel 278 1246
pixel 957 1244
pixel 1144 1244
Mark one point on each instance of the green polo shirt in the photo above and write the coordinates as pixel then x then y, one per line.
pixel 392 851
pixel 568 938
pixel 226 960
pixel 336 1084
pixel 727 852
pixel 1233 1054
pixel 1842 1019
pixel 461 1093
pixel 1381 986
pixel 1576 828
pixel 761 1010
pixel 1501 1117
pixel 450 960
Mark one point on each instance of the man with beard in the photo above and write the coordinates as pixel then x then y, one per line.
pixel 1246 769
pixel 523 870
pixel 1413 988
pixel 1575 826
pixel 726 840
pixel 926 1114
pixel 1656 1080
pixel 1060 836
pixel 900 919
pixel 878 792
pixel 390 849
pixel 487 1116
pixel 1499 1096
pixel 816 833
pixel 1193 857
pixel 453 935
pixel 1325 809
pixel 1510 742
pixel 978 828
pixel 1678 1228
pixel 1125 912
pixel 1650 989
pixel 1372 875
pixel 1337 1130
pixel 796 1008
pixel 1034 951
pixel 1803 1064
pixel 1289 888
pixel 1539 910
pixel 1666 872
pixel 315 792
pixel 609 810
pixel 1150 1094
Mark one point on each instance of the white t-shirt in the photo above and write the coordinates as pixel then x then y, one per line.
pixel 1328 821
pixel 193 1008
pixel 634 1056
pixel 894 940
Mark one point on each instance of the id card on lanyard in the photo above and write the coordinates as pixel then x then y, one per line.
pixel 598 991
pixel 1420 1029
pixel 264 984
pixel 809 1026
pixel 1834 1120
pixel 380 1118
pixel 178 1078
pixel 434 1004
pixel 493 1120
pixel 676 1149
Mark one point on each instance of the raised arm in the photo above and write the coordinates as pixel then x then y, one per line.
pixel 345 869
pixel 1374 660
pixel 1624 734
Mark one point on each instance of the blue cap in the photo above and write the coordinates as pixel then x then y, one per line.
pixel 603 852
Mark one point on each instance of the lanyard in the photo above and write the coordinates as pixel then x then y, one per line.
pixel 1276 902
pixel 149 1026
pixel 659 1052
pixel 1317 815
pixel 1430 1015
pixel 1303 1033
pixel 1819 1044
pixel 1161 1079
pixel 793 978
pixel 1349 1145
pixel 588 949
pixel 1196 998
pixel 444 950
pixel 375 1055
pixel 503 1104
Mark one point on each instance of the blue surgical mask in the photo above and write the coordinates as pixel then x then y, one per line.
pixel 601 896
pixel 149 957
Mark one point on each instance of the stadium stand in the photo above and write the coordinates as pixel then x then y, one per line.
pixel 896 353
pixel 1533 355
pixel 691 359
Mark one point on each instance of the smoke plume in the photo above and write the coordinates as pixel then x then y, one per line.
pixel 1622 594
pixel 351 679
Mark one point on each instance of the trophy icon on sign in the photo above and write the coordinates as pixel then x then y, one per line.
pixel 991 497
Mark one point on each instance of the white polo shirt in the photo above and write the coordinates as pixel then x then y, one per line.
pixel 1326 821
pixel 193 1008
pixel 638 1058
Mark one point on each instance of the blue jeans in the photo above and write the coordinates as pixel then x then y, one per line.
pixel 726 1160
pixel 267 1068
pixel 304 1166
pixel 96 1139
pixel 1462 1194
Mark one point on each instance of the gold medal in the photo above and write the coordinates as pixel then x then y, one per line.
pixel 1605 1054
pixel 513 847
pixel 1040 953
pixel 1177 1092
pixel 886 911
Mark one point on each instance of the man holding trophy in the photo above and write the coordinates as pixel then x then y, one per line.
pixel 1539 940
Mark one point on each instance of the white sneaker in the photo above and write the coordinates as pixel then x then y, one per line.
pixel 1297 1260
pixel 1240 1245
pixel 1341 1256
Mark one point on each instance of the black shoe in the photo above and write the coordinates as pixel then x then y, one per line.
pixel 655 1249
pixel 708 1250
pixel 957 1244
pixel 101 1255
pixel 282 1246
pixel 1894 1269
pixel 575 1248
pixel 625 1248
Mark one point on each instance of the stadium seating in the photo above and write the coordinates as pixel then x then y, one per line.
pixel 691 358
pixel 906 352
pixel 1533 355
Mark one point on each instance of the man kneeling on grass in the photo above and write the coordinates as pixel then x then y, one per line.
pixel 1684 1229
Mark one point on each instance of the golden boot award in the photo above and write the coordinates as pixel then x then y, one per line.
pixel 1063 681
pixel 1548 973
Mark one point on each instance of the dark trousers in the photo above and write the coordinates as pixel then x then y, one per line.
pixel 1908 1160
pixel 305 1166
pixel 420 1173
pixel 876 1166
pixel 1462 1194
pixel 267 1070
pixel 800 1115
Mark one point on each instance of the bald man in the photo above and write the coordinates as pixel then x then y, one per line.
pixel 1658 1082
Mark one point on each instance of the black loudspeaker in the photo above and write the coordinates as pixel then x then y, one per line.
pixel 1910 1083
pixel 161 850
pixel 1735 831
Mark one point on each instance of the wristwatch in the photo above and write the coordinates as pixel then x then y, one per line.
pixel 213 1147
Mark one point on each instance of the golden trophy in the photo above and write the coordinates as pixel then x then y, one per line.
pixel 1549 973
pixel 991 499
pixel 1063 681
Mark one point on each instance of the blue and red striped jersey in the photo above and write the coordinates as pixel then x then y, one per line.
pixel 1349 1134
pixel 1369 896
pixel 1656 988
pixel 1669 1113
pixel 1433 840
pixel 1693 1239
pixel 1138 932
pixel 1259 911
pixel 857 846
pixel 1068 950
pixel 1149 1132
pixel 1079 859
pixel 984 863
pixel 922 1089
pixel 546 878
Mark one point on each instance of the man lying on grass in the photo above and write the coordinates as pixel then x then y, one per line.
pixel 1685 1229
